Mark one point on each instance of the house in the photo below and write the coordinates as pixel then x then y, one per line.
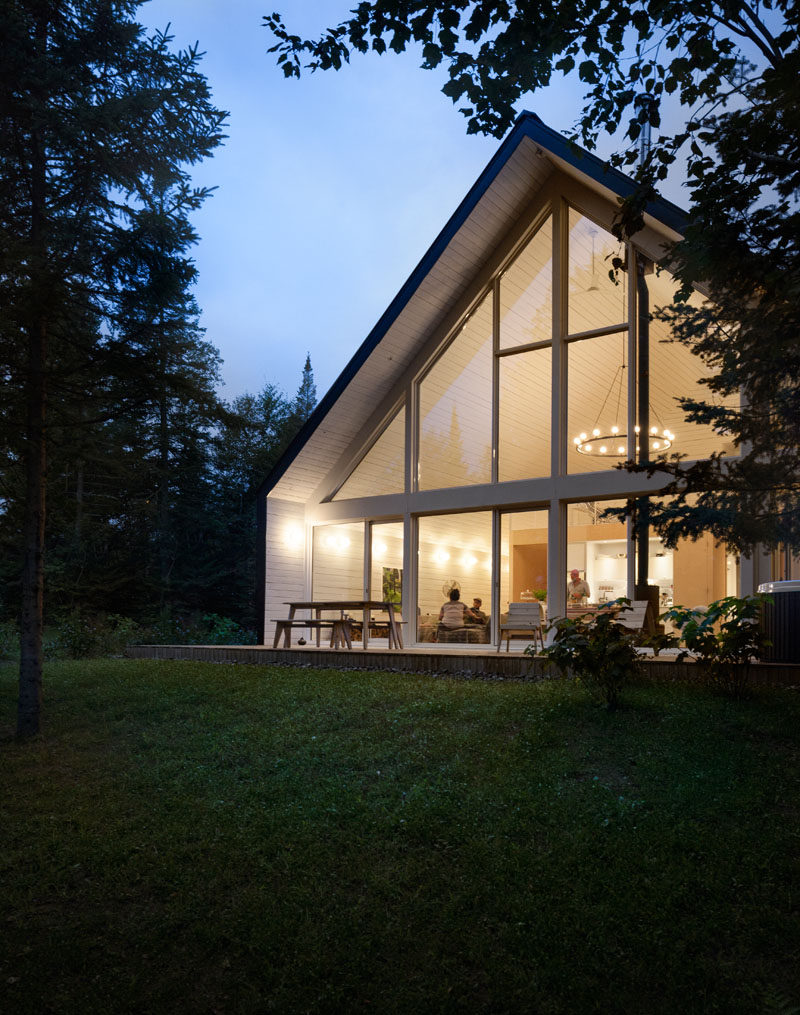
pixel 471 440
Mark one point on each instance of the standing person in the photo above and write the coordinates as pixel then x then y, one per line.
pixel 578 589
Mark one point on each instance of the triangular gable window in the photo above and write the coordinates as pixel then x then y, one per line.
pixel 382 469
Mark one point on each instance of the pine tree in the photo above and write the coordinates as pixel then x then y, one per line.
pixel 306 398
pixel 95 118
pixel 256 433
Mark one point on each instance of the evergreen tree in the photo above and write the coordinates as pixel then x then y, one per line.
pixel 306 398
pixel 94 118
pixel 258 431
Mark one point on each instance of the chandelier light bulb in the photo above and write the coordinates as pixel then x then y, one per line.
pixel 620 450
pixel 596 432
pixel 615 429
pixel 636 429
pixel 603 449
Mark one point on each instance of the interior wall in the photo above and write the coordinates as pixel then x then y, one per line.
pixel 699 572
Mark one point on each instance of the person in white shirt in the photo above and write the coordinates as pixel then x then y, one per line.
pixel 578 589
pixel 452 613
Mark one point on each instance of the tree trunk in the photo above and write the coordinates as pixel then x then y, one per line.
pixel 32 621
pixel 29 705
pixel 162 493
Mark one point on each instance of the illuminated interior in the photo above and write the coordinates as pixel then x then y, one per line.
pixel 454 551
pixel 523 558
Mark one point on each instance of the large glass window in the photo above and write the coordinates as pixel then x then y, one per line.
pixel 526 303
pixel 337 563
pixel 386 562
pixel 595 301
pixel 597 549
pixel 382 469
pixel 525 383
pixel 455 408
pixel 597 402
pixel 453 552
pixel 674 373
pixel 523 559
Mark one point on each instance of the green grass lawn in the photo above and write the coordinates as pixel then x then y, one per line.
pixel 202 838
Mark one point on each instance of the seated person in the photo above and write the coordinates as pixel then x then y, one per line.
pixel 476 614
pixel 453 613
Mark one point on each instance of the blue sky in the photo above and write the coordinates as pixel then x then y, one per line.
pixel 330 189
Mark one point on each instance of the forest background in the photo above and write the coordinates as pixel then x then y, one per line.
pixel 151 526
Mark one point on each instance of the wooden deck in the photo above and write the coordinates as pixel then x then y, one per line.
pixel 477 664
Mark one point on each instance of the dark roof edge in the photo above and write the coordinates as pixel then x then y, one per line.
pixel 526 125
pixel 669 214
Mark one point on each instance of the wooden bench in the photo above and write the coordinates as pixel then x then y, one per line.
pixel 378 629
pixel 524 620
pixel 340 631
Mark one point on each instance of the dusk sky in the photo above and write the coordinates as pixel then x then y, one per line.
pixel 330 189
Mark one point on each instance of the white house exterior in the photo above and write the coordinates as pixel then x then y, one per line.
pixel 471 440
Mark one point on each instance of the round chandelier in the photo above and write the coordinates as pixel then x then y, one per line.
pixel 612 441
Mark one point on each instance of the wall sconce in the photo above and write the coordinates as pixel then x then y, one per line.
pixel 294 537
pixel 379 549
pixel 468 560
pixel 441 557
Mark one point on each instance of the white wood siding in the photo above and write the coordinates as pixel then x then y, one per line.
pixel 285 560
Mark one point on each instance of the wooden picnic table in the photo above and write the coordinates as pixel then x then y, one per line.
pixel 345 606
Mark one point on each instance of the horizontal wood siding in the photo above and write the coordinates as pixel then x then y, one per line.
pixel 285 564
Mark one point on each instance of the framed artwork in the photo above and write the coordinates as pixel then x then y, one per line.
pixel 392 585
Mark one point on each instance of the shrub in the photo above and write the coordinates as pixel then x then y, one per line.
pixel 217 630
pixel 210 629
pixel 724 639
pixel 596 649
pixel 81 637
pixel 77 637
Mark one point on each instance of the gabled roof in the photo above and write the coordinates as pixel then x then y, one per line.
pixel 525 159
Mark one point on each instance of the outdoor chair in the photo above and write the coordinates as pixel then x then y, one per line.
pixel 524 620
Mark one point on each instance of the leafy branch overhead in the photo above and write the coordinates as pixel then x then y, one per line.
pixel 731 72
pixel 496 52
